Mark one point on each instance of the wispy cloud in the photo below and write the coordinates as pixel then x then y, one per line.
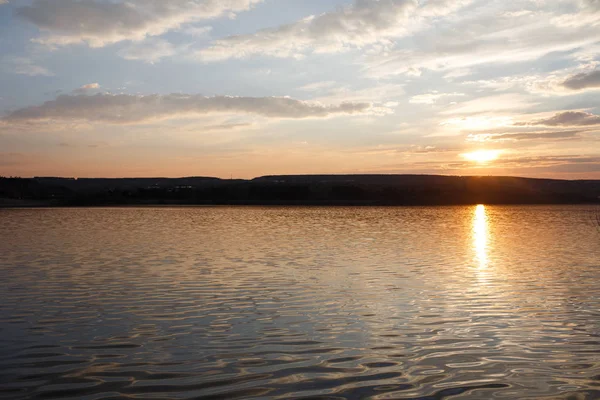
pixel 318 86
pixel 87 88
pixel 197 31
pixel 566 82
pixel 364 23
pixel 544 161
pixel 98 23
pixel 130 109
pixel 584 80
pixel 149 50
pixel 492 104
pixel 487 37
pixel 24 66
pixel 567 118
pixel 432 98
pixel 226 126
pixel 524 136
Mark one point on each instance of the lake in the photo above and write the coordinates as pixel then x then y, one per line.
pixel 471 302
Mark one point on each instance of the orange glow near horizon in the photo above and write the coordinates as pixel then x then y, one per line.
pixel 482 156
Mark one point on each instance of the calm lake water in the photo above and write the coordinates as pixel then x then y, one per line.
pixel 335 303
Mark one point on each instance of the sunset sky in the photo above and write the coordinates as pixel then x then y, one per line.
pixel 244 88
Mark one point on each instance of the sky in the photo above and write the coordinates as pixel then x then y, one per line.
pixel 244 88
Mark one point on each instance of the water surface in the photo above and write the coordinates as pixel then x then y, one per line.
pixel 336 303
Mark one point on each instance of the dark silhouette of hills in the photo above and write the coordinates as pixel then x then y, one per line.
pixel 297 190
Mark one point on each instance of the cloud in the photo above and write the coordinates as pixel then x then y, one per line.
pixel 431 98
pixel 484 36
pixel 407 150
pixel 91 86
pixel 492 104
pixel 546 161
pixel 24 66
pixel 364 23
pixel 226 126
pixel 592 4
pixel 584 80
pixel 564 83
pixel 567 118
pixel 501 84
pixel 523 136
pixel 318 86
pixel 554 164
pixel 150 50
pixel 476 52
pixel 100 23
pixel 86 88
pixel 131 109
pixel 385 93
pixel 197 31
pixel 458 73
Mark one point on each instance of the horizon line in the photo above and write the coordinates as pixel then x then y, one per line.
pixel 293 175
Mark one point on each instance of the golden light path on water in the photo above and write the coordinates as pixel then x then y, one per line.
pixel 480 236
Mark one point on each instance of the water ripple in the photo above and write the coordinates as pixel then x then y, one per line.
pixel 303 303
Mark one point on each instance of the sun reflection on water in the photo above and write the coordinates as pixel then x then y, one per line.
pixel 480 236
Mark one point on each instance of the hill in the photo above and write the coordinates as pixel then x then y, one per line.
pixel 297 190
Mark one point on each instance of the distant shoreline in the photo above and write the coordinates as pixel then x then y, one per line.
pixel 295 190
pixel 274 206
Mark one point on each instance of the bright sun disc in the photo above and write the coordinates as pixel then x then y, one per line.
pixel 482 156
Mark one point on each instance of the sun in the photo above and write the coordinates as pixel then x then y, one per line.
pixel 482 156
